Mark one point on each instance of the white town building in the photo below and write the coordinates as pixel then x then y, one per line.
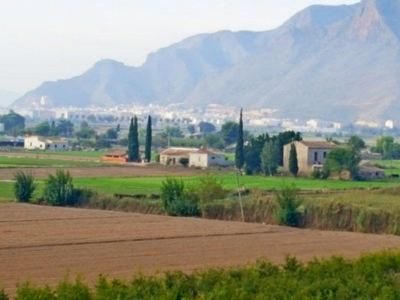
pixel 42 143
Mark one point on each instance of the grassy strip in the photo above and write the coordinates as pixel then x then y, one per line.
pixel 372 276
pixel 7 162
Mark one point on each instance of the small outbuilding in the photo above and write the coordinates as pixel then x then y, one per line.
pixel 370 172
pixel 118 156
pixel 42 143
pixel 204 158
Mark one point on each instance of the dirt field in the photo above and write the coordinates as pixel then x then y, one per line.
pixel 42 244
pixel 106 171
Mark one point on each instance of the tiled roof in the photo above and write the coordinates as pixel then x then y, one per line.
pixel 179 151
pixel 117 153
pixel 322 145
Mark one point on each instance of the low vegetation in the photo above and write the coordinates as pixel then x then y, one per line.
pixel 24 186
pixel 372 276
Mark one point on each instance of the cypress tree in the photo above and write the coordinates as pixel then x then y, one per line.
pixel 239 153
pixel 130 142
pixel 135 141
pixel 293 163
pixel 148 140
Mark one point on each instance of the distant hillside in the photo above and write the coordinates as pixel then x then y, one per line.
pixel 332 62
pixel 7 97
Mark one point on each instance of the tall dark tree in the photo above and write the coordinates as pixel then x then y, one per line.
pixel 148 140
pixel 293 162
pixel 118 128
pixel 133 141
pixel 239 154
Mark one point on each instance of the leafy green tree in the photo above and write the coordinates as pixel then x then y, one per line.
pixel 102 141
pixel 229 132
pixel 206 127
pixel 58 189
pixel 293 162
pixel 253 154
pixel 133 137
pixel 192 129
pixel 337 160
pixel 149 136
pixel 353 161
pixel 53 129
pixel 173 132
pixel 65 127
pixel 355 142
pixel 24 186
pixel 112 134
pixel 175 200
pixel 214 140
pixel 384 145
pixel 288 203
pixel 43 129
pixel 239 153
pixel 85 132
pixel 12 121
pixel 270 158
pixel 284 138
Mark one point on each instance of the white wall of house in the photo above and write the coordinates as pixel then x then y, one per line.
pixel 206 160
pixel 33 143
pixel 37 143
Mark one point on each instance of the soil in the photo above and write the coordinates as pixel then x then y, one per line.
pixel 106 171
pixel 43 244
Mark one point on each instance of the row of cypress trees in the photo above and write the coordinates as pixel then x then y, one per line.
pixel 239 151
pixel 133 141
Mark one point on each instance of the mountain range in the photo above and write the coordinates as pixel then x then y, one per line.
pixel 340 63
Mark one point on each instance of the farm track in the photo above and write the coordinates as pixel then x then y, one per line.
pixel 43 244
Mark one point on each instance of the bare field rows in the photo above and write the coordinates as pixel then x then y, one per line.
pixel 42 244
pixel 105 171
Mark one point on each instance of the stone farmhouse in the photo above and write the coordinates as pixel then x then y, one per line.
pixel 311 156
pixel 202 158
pixel 42 143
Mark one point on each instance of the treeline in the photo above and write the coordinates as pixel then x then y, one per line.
pixel 371 276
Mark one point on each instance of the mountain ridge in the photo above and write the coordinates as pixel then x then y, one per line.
pixel 332 62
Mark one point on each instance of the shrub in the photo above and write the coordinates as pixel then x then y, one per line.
pixel 58 189
pixel 184 161
pixel 3 295
pixel 207 190
pixel 24 186
pixel 175 199
pixel 288 203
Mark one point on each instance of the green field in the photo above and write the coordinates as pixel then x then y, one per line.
pixel 9 162
pixel 93 154
pixel 149 185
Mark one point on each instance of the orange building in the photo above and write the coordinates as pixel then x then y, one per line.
pixel 115 157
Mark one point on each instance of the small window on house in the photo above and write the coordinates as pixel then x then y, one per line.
pixel 315 156
pixel 63 146
pixel 48 145
pixel 213 157
pixel 325 154
pixel 55 146
pixel 41 145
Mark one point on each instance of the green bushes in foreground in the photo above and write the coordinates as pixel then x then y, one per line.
pixel 373 276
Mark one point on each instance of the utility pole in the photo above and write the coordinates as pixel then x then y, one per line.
pixel 239 193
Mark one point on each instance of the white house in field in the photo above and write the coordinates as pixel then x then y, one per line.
pixel 42 143
pixel 204 158
pixel 198 158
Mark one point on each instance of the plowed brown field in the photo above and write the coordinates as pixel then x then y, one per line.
pixel 42 244
pixel 105 171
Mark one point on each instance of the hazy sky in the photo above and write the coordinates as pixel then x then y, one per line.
pixel 44 40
